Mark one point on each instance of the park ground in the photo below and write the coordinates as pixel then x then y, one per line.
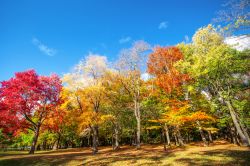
pixel 218 153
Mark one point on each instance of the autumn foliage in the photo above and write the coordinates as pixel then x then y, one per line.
pixel 161 64
pixel 192 92
pixel 27 100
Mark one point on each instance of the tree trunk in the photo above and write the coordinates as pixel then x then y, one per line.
pixel 89 143
pixel 244 129
pixel 112 141
pixel 66 145
pixel 83 142
pixel 34 141
pixel 167 135
pixel 44 145
pixel 188 137
pixel 164 139
pixel 131 140
pixel 117 146
pixel 95 139
pixel 180 139
pixel 245 133
pixel 55 145
pixel 38 147
pixel 176 140
pixel 233 135
pixel 138 121
pixel 244 138
pixel 202 134
pixel 58 141
pixel 237 138
pixel 138 134
pixel 210 136
pixel 147 134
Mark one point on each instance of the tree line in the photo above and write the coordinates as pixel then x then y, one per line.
pixel 196 91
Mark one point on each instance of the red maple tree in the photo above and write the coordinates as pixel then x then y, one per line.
pixel 26 100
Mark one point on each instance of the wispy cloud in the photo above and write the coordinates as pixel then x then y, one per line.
pixel 163 25
pixel 44 48
pixel 125 39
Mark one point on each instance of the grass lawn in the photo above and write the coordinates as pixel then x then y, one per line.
pixel 219 153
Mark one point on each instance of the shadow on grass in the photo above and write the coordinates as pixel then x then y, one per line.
pixel 104 157
pixel 26 153
pixel 129 159
pixel 149 155
pixel 218 157
pixel 47 159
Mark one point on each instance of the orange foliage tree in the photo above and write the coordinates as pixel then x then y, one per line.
pixel 178 110
pixel 161 65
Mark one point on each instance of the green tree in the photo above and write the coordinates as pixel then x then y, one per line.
pixel 218 71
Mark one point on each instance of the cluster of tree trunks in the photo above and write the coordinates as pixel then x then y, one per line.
pixel 237 134
pixel 178 137
pixel 240 128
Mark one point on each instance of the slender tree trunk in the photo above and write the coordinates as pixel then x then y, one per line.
pixel 244 129
pixel 58 141
pixel 210 136
pixel 188 137
pixel 112 141
pixel 138 121
pixel 38 147
pixel 34 141
pixel 116 135
pixel 245 133
pixel 89 139
pixel 44 145
pixel 167 135
pixel 131 140
pixel 176 140
pixel 202 134
pixel 244 138
pixel 66 145
pixel 233 134
pixel 180 139
pixel 237 138
pixel 95 139
pixel 164 139
pixel 117 146
pixel 138 133
pixel 147 133
pixel 55 145
pixel 83 141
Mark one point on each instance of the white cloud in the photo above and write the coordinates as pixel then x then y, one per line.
pixel 239 42
pixel 163 25
pixel 43 48
pixel 125 39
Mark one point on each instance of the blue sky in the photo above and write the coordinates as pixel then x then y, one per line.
pixel 51 36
